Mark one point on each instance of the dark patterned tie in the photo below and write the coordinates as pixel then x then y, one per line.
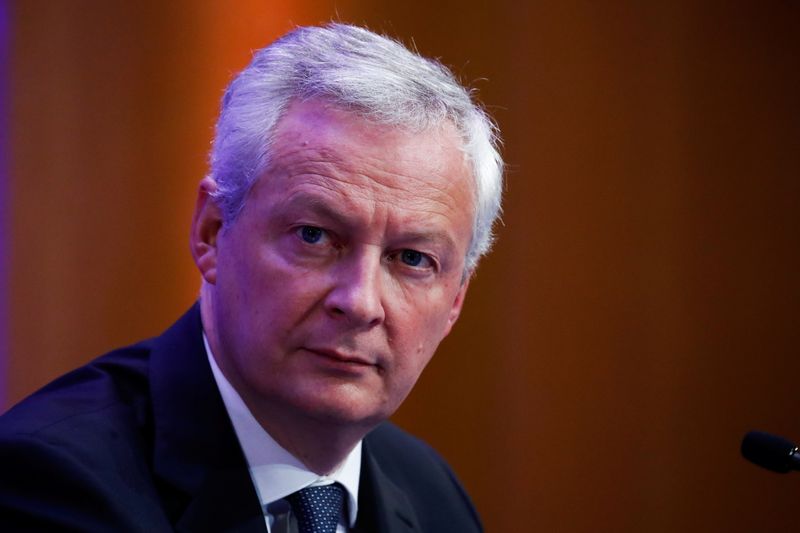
pixel 317 508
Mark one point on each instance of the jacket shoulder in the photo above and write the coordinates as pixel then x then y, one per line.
pixel 114 383
pixel 75 450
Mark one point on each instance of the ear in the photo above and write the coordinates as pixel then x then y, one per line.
pixel 458 303
pixel 206 225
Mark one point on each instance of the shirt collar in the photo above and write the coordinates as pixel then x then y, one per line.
pixel 275 472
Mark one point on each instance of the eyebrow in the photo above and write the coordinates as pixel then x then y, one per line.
pixel 316 204
pixel 440 239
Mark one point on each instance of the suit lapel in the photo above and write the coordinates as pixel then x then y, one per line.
pixel 382 506
pixel 197 459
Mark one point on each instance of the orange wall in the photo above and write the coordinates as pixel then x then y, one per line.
pixel 639 312
pixel 4 200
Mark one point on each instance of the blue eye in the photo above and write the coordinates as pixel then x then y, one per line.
pixel 411 257
pixel 311 234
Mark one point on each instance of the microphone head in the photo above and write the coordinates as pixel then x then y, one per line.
pixel 770 451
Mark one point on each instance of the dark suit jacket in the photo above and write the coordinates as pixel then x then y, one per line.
pixel 139 440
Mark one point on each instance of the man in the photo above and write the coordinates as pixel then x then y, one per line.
pixel 352 190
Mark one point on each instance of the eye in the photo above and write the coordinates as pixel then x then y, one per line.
pixel 411 257
pixel 415 259
pixel 311 234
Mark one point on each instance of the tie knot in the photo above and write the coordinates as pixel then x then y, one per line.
pixel 317 508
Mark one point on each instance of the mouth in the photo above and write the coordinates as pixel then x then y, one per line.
pixel 342 357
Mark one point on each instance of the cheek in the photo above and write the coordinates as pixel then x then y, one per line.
pixel 258 275
pixel 418 332
pixel 272 297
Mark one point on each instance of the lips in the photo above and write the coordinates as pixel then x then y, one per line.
pixel 341 356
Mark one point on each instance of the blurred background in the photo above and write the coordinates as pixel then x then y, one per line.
pixel 640 312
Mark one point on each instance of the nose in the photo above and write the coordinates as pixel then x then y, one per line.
pixel 356 295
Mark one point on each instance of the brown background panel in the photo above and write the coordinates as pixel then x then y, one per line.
pixel 638 314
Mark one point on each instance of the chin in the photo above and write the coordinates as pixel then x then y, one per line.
pixel 351 408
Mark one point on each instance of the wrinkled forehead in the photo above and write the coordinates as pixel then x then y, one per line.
pixel 314 133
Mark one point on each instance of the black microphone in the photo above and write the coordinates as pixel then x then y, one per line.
pixel 771 452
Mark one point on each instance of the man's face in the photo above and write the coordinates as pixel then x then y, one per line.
pixel 345 268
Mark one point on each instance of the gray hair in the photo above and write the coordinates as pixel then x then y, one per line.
pixel 370 75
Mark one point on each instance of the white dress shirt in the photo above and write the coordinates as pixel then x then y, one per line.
pixel 275 472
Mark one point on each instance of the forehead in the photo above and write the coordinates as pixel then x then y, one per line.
pixel 320 148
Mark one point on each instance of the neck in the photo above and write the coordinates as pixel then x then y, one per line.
pixel 321 446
